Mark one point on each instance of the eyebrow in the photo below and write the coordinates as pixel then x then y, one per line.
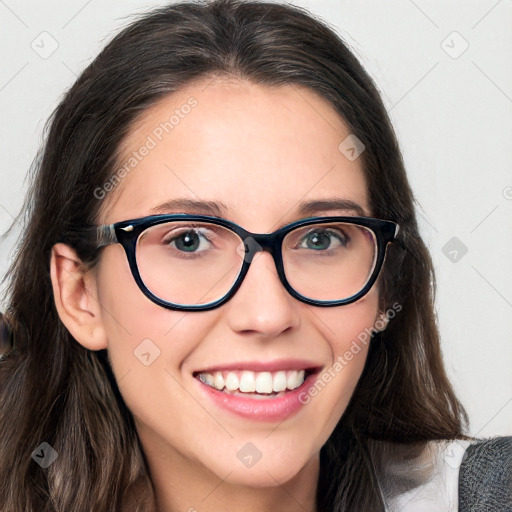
pixel 219 209
pixel 182 205
pixel 312 208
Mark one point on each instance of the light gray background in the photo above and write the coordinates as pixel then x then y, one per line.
pixel 450 106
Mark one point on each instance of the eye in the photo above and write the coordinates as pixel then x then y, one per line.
pixel 191 240
pixel 322 240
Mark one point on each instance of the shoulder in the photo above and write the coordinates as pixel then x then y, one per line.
pixel 449 476
pixel 485 476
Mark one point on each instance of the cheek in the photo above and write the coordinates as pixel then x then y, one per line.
pixel 348 331
pixel 144 339
pixel 347 326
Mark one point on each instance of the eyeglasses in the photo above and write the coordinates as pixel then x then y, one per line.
pixel 197 262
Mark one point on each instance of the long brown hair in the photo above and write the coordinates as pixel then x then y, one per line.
pixel 54 390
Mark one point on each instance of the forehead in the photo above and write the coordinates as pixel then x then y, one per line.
pixel 260 151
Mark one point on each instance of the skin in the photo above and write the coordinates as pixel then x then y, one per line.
pixel 262 151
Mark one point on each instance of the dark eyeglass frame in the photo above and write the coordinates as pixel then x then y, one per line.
pixel 127 233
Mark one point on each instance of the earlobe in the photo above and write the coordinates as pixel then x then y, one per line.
pixel 76 300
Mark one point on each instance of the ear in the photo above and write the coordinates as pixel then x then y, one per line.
pixel 76 298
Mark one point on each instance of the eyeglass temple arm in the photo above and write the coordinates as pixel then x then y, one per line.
pixel 105 235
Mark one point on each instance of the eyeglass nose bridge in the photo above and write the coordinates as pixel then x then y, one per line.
pixel 253 244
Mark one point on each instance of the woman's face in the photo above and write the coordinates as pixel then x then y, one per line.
pixel 261 155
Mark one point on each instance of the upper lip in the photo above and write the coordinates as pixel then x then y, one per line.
pixel 262 366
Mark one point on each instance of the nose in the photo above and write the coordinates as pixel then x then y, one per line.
pixel 262 305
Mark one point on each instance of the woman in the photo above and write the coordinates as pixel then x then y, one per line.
pixel 170 354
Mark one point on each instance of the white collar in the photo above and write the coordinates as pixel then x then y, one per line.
pixel 440 490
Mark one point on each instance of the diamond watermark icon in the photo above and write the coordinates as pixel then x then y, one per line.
pixel 454 45
pixel 351 147
pixel 146 352
pixel 249 455
pixel 454 453
pixel 249 249
pixel 44 455
pixel 45 45
pixel 454 249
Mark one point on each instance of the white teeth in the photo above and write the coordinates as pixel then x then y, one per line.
pixel 207 378
pixel 218 380
pixel 232 381
pixel 291 381
pixel 279 381
pixel 250 382
pixel 247 382
pixel 264 382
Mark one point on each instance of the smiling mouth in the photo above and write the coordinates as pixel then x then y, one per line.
pixel 255 384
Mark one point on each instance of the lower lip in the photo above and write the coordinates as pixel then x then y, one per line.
pixel 260 409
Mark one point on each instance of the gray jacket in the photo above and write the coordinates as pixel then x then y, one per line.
pixel 485 477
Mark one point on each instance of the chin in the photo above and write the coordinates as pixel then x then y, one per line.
pixel 262 477
pixel 271 470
